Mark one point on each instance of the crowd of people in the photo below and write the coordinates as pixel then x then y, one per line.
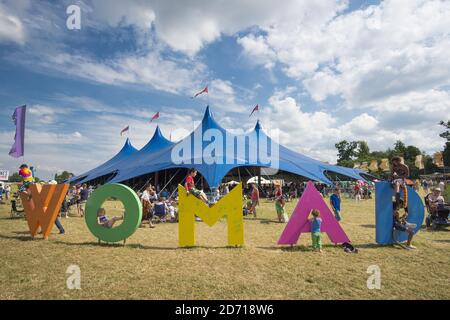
pixel 5 192
pixel 160 205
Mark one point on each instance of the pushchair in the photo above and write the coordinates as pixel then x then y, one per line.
pixel 65 208
pixel 15 211
pixel 437 217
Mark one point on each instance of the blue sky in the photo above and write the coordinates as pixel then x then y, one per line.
pixel 321 72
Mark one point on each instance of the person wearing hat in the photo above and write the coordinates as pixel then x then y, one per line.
pixel 437 202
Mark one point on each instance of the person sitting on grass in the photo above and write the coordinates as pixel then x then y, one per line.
pixel 316 236
pixel 104 221
pixel 335 201
pixel 400 224
pixel 190 187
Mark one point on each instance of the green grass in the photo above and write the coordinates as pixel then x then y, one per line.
pixel 151 266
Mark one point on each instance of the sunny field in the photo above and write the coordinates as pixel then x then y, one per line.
pixel 151 266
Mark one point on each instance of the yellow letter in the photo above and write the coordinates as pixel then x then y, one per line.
pixel 229 206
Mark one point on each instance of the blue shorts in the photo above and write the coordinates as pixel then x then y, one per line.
pixel 400 226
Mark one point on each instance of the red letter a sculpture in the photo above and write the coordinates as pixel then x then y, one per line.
pixel 299 223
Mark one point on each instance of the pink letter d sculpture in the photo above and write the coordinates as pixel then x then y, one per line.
pixel 312 199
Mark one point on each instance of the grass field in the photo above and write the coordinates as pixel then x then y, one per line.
pixel 151 266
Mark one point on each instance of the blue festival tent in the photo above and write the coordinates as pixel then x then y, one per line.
pixel 128 153
pixel 214 152
pixel 124 153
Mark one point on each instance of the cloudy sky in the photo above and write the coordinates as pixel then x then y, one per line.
pixel 321 71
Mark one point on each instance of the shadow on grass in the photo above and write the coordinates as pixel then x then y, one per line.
pixel 443 241
pixel 13 218
pixel 20 238
pixel 268 221
pixel 438 229
pixel 136 246
pixel 21 232
pixel 369 226
pixel 370 245
pixel 296 248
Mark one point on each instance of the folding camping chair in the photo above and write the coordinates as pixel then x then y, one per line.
pixel 160 211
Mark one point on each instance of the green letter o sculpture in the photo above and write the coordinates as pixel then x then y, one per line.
pixel 132 216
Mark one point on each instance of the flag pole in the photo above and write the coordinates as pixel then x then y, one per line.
pixel 208 95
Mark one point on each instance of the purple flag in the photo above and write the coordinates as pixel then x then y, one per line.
pixel 18 147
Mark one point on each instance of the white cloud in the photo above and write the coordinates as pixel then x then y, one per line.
pixel 117 13
pixel 188 26
pixel 388 62
pixel 45 115
pixel 11 27
pixel 364 55
pixel 149 69
pixel 257 48
pixel 315 133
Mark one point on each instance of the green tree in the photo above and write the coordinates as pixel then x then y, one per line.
pixel 64 176
pixel 430 167
pixel 399 147
pixel 446 135
pixel 363 151
pixel 411 152
pixel 15 177
pixel 346 151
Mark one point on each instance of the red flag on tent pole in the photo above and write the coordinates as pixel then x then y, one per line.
pixel 124 130
pixel 254 110
pixel 155 117
pixel 201 92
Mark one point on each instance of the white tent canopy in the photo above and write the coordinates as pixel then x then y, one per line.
pixel 255 180
pixel 232 183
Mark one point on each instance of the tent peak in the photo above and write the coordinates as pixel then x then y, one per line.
pixel 258 126
pixel 209 121
pixel 157 141
pixel 128 146
pixel 208 114
pixel 157 132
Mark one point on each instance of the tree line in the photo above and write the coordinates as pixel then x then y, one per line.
pixel 355 152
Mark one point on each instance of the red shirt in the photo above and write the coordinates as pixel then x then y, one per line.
pixel 255 195
pixel 279 194
pixel 190 183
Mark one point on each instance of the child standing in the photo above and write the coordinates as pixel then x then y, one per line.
pixel 255 199
pixel 316 237
pixel 279 203
pixel 335 201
